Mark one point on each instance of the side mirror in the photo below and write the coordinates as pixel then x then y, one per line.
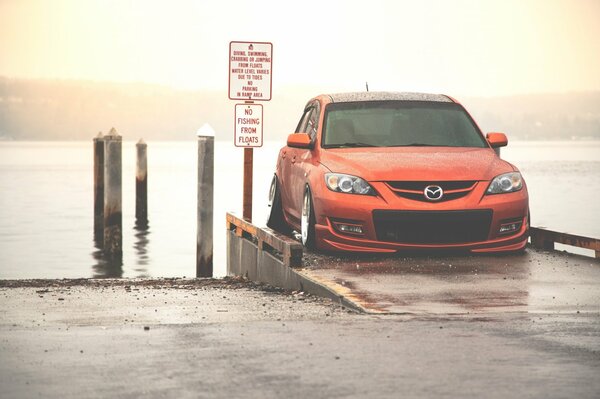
pixel 299 140
pixel 497 140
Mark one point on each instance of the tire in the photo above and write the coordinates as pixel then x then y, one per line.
pixel 307 220
pixel 523 250
pixel 275 220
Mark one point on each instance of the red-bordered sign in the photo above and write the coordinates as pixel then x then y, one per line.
pixel 250 71
pixel 248 125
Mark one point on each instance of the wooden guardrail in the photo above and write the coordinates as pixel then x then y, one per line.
pixel 267 240
pixel 545 239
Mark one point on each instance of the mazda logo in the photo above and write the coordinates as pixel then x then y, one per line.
pixel 433 193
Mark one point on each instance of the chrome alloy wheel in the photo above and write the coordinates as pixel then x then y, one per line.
pixel 305 218
pixel 272 190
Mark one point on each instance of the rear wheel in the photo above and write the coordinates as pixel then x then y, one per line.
pixel 307 221
pixel 276 221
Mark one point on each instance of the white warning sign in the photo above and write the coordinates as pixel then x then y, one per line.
pixel 248 125
pixel 250 67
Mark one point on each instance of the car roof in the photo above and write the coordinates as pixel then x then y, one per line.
pixel 387 96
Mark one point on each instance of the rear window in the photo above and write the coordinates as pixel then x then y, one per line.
pixel 398 124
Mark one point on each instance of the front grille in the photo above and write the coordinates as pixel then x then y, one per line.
pixel 432 227
pixel 420 185
pixel 421 197
pixel 414 189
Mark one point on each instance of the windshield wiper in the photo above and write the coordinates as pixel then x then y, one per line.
pixel 351 145
pixel 419 145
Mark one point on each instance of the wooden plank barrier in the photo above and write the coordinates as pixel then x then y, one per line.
pixel 545 239
pixel 267 240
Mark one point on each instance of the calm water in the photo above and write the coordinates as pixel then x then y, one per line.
pixel 46 203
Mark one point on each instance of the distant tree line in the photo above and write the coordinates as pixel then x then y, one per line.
pixel 77 110
pixel 540 116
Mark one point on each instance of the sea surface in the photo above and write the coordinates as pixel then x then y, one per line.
pixel 46 203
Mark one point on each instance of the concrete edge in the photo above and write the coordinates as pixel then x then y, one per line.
pixel 245 259
pixel 334 291
pixel 328 289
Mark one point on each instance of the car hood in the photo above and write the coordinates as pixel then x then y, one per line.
pixel 416 163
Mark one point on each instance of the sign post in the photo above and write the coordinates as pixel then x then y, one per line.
pixel 250 79
pixel 248 171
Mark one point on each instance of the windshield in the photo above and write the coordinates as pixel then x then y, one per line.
pixel 399 124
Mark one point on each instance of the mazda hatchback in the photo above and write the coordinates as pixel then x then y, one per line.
pixel 382 172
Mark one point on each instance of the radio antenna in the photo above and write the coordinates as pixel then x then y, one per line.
pixel 367 85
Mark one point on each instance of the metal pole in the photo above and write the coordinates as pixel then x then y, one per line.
pixel 98 188
pixel 113 220
pixel 248 166
pixel 141 183
pixel 204 239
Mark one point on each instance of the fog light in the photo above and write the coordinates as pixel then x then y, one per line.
pixel 346 228
pixel 349 228
pixel 507 228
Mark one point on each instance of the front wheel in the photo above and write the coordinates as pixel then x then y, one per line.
pixel 307 221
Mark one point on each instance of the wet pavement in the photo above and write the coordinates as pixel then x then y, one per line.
pixel 534 282
pixel 437 327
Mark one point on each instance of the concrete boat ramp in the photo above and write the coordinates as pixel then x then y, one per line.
pixel 538 281
pixel 462 285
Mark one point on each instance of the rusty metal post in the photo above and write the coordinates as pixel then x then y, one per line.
pixel 113 220
pixel 141 184
pixel 204 238
pixel 98 188
pixel 248 166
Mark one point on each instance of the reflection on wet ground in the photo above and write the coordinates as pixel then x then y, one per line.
pixel 112 267
pixel 451 283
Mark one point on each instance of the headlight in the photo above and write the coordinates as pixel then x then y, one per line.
pixel 347 184
pixel 506 183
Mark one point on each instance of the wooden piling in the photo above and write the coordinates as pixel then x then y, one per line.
pixel 99 188
pixel 248 167
pixel 141 184
pixel 204 239
pixel 113 220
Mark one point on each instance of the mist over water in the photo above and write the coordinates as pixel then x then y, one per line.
pixel 46 203
pixel 563 179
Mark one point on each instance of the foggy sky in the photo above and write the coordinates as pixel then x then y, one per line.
pixel 472 48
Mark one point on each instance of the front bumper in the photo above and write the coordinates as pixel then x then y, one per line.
pixel 333 208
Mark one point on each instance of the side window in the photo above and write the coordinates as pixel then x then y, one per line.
pixel 301 128
pixel 309 123
pixel 313 121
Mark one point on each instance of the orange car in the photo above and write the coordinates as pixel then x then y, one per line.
pixel 382 172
